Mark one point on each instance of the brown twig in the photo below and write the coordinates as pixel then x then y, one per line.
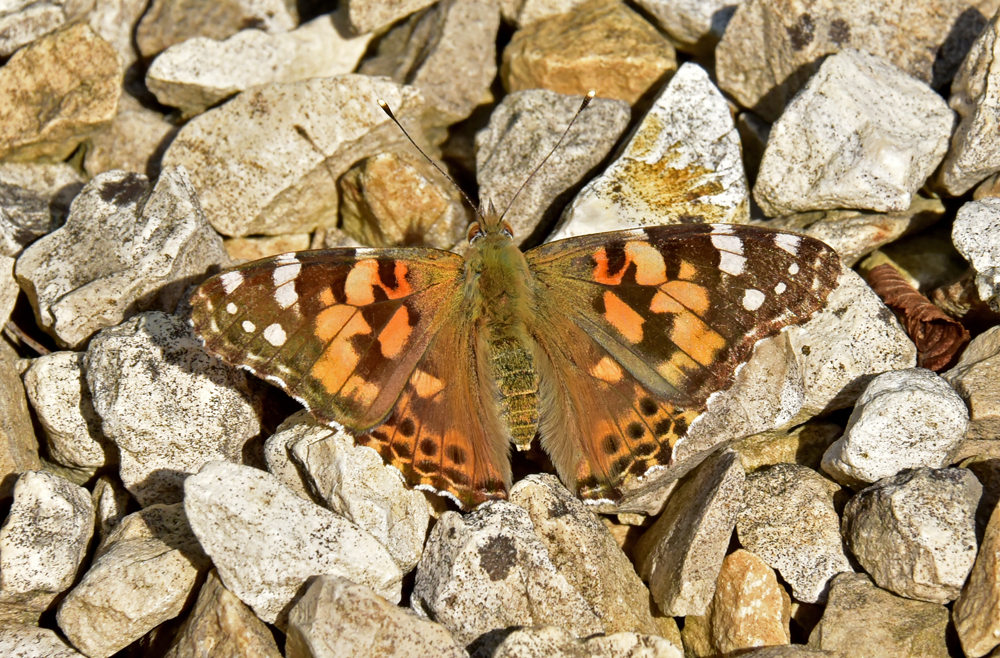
pixel 937 336
pixel 15 334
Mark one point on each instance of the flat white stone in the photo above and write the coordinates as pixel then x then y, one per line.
pixel 693 26
pixel 861 134
pixel 682 165
pixel 19 641
pixel 266 541
pixel 555 642
pixel 976 235
pixel 200 72
pixel 904 419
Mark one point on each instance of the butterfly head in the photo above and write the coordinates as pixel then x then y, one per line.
pixel 490 224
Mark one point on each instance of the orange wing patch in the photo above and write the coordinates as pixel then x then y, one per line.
pixel 364 277
pixel 396 333
pixel 340 359
pixel 622 317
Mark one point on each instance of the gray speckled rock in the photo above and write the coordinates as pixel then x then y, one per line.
pixel 904 419
pixel 142 575
pixel 586 554
pixel 57 390
pixel 338 618
pixel 266 542
pixel 523 129
pixel 123 249
pixel 167 405
pixel 789 521
pixel 555 642
pixel 278 173
pixel 356 484
pixel 488 570
pixel 974 152
pixel 694 26
pixel 862 620
pixel 19 641
pixel 43 541
pixel 682 165
pixel 34 199
pixel 682 553
pixel 915 533
pixel 115 21
pixel 861 134
pixel 976 234
pixel 200 72
pixel 220 625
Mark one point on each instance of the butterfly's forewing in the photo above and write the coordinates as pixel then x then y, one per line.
pixel 642 326
pixel 341 330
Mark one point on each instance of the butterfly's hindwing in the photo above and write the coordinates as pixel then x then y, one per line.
pixel 677 309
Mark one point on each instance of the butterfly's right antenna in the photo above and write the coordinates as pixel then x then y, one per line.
pixel 388 112
pixel 586 101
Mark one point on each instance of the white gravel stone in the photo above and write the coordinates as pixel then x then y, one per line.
pixel 904 419
pixel 111 501
pixel 23 22
pixel 682 165
pixel 976 234
pixel 200 72
pixel 555 642
pixel 681 554
pixel 278 173
pixel 167 405
pixel 17 641
pixel 806 370
pixel 975 95
pixel 488 570
pixel 373 15
pixel 523 129
pixel 266 542
pixel 915 533
pixel 521 13
pixel 278 454
pixel 134 141
pixel 44 540
pixel 790 522
pixel 143 574
pixel 57 390
pixel 122 247
pixel 34 199
pixel 339 618
pixel 861 134
pixel 694 26
pixel 356 484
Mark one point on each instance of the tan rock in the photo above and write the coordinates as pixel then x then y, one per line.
pixel 25 21
pixel 804 445
pixel 771 47
pixel 277 173
pixel 555 642
pixel 167 22
pixel 115 21
pixel 399 199
pixel 976 613
pixel 750 609
pixel 370 15
pixel 243 249
pixel 56 92
pixel 134 141
pixel 221 626
pixel 18 445
pixel 976 377
pixel 525 12
pixel 601 45
pixel 337 618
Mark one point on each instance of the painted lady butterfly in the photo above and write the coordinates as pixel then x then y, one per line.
pixel 607 345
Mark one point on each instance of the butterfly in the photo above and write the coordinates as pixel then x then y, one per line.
pixel 607 346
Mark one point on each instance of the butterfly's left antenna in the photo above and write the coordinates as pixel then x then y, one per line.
pixel 583 106
pixel 388 112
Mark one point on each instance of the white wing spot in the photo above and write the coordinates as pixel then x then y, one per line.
pixel 286 295
pixel 285 259
pixel 231 281
pixel 286 273
pixel 248 326
pixel 731 263
pixel 724 229
pixel 728 243
pixel 780 288
pixel 231 308
pixel 793 268
pixel 752 299
pixel 788 242
pixel 275 335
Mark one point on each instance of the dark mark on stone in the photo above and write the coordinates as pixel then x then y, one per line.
pixel 497 557
pixel 840 31
pixel 130 188
pixel 801 35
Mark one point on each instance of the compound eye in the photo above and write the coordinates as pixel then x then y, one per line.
pixel 475 232
pixel 507 230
